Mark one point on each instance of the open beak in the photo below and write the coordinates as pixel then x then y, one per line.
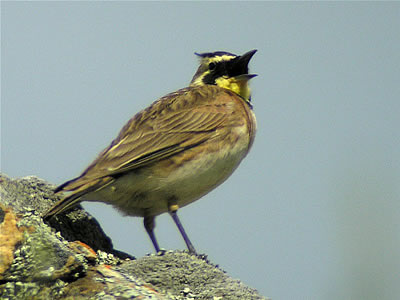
pixel 240 66
pixel 245 77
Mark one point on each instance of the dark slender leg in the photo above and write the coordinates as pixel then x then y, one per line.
pixel 174 215
pixel 149 224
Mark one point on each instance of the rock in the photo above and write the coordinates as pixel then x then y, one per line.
pixel 71 257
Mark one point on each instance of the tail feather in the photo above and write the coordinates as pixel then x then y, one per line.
pixel 62 186
pixel 62 205
pixel 78 188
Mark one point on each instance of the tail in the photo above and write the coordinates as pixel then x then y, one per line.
pixel 78 187
pixel 62 205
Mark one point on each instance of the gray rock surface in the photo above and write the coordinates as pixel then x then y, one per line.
pixel 72 258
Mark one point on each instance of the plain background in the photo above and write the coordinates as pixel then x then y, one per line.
pixel 313 212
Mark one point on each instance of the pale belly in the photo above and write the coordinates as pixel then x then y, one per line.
pixel 145 193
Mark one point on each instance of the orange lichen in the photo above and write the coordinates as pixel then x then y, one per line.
pixel 10 236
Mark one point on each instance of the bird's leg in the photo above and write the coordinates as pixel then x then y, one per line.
pixel 173 212
pixel 149 224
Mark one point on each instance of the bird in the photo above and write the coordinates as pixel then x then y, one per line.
pixel 175 151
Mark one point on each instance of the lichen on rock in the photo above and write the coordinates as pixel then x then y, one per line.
pixel 71 257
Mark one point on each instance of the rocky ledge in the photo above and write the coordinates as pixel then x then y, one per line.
pixel 70 257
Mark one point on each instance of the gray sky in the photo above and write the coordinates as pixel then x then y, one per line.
pixel 313 211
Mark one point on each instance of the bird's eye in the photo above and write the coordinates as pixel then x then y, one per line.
pixel 211 66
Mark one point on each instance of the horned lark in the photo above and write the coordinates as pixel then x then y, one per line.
pixel 175 151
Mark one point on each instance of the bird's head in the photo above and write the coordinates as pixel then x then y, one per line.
pixel 225 70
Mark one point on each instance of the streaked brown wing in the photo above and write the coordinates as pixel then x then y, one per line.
pixel 171 125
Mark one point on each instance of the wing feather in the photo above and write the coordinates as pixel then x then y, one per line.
pixel 169 126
